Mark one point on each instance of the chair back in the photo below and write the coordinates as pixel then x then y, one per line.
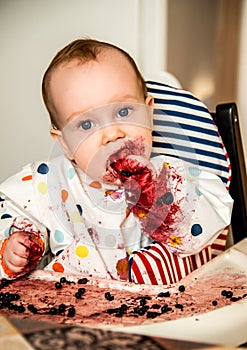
pixel 227 121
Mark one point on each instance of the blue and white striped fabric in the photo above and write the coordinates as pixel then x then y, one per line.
pixel 184 128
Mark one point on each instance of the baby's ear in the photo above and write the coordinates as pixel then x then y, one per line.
pixel 58 137
pixel 149 101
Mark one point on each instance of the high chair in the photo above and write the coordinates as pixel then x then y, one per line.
pixel 184 128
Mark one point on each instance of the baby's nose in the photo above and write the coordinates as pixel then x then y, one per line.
pixel 112 133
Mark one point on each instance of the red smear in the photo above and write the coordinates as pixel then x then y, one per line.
pixel 144 194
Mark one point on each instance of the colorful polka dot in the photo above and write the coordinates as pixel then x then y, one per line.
pixel 59 252
pixel 167 198
pixel 196 230
pixel 27 178
pixel 43 169
pixel 42 187
pixel 71 173
pixel 81 251
pixel 194 171
pixel 57 267
pixel 122 267
pixel 59 236
pixel 75 217
pixel 6 216
pixel 79 208
pixel 64 195
pixel 95 184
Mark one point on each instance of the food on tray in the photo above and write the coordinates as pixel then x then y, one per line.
pixel 83 300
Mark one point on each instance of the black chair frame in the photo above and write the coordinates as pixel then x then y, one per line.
pixel 227 121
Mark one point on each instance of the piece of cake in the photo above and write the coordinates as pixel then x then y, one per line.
pixel 81 300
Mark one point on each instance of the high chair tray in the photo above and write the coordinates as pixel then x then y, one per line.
pixel 225 326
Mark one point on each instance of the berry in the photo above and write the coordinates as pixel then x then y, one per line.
pixel 214 302
pixel 63 280
pixel 5 282
pixel 179 306
pixel 108 296
pixel 53 311
pixel 123 307
pixel 165 308
pixel 61 308
pixel 152 314
pixel 181 288
pixel 143 301
pixel 81 291
pixel 78 295
pixel 71 312
pixel 32 308
pixel 164 294
pixel 229 294
pixel 58 285
pixel 126 173
pixel 21 309
pixel 83 281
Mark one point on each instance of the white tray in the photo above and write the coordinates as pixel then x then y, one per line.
pixel 225 326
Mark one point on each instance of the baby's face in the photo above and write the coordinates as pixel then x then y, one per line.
pixel 100 106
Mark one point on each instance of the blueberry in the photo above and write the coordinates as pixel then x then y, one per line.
pixel 58 285
pixel 165 308
pixel 152 314
pixel 126 173
pixel 63 280
pixel 181 288
pixel 214 303
pixel 179 306
pixel 5 282
pixel 167 198
pixel 81 291
pixel 71 312
pixel 229 294
pixel 143 301
pixel 21 309
pixel 32 308
pixel 61 308
pixel 15 296
pixel 83 281
pixel 53 311
pixel 78 295
pixel 108 296
pixel 164 294
pixel 123 307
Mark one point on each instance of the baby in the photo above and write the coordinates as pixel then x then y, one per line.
pixel 104 208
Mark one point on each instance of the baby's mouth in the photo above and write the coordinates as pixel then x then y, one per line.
pixel 119 166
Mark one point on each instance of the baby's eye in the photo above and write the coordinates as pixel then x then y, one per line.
pixel 86 125
pixel 124 112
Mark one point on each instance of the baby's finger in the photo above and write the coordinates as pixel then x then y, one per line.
pixel 22 251
pixel 13 268
pixel 17 260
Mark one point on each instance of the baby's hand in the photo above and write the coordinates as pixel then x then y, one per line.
pixel 16 253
